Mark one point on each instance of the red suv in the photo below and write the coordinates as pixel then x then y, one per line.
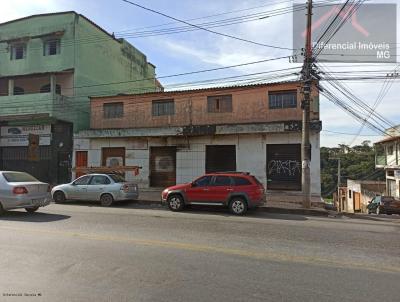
pixel 237 190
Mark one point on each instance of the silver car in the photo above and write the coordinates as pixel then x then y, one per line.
pixel 22 190
pixel 105 188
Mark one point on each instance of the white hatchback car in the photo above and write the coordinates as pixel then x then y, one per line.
pixel 105 188
pixel 22 190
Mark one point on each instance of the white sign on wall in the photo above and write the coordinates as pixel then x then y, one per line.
pixel 15 136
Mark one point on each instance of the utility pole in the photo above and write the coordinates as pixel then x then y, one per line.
pixel 306 147
pixel 339 180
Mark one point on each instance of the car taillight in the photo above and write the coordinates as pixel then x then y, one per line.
pixel 125 188
pixel 20 190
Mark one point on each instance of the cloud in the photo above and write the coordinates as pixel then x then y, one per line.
pixel 22 8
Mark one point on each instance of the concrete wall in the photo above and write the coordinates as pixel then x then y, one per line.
pixel 96 57
pixel 35 62
pixel 367 190
pixel 249 105
pixel 250 154
pixel 100 59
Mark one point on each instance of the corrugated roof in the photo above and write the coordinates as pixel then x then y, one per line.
pixel 200 89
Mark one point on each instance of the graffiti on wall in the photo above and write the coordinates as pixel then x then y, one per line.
pixel 284 167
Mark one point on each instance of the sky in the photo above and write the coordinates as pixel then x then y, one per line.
pixel 197 50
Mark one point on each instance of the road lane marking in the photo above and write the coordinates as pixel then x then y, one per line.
pixel 214 249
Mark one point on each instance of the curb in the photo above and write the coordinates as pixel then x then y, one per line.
pixel 275 210
pixel 308 212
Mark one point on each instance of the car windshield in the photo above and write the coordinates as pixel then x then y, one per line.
pixel 18 177
pixel 117 178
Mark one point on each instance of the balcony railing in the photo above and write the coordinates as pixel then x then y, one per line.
pixel 35 103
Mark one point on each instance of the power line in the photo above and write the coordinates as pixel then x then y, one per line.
pixel 275 74
pixel 205 29
pixel 351 134
pixel 382 93
pixel 178 74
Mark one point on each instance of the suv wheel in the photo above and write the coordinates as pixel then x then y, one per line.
pixel 175 203
pixel 2 211
pixel 238 206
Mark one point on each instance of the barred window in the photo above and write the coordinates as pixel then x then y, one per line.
pixel 18 51
pixel 282 99
pixel 113 110
pixel 219 103
pixel 163 107
pixel 51 47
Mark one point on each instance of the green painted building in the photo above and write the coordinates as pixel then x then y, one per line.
pixel 49 65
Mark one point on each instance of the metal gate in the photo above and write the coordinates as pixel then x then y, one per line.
pixel 162 166
pixel 220 158
pixel 284 167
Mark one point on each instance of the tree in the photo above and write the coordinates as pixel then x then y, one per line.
pixel 357 163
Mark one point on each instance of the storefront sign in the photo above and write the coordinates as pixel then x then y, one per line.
pixel 18 135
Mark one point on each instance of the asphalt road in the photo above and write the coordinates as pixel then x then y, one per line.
pixel 79 252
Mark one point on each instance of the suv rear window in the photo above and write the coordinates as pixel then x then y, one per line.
pixel 18 177
pixel 256 180
pixel 240 181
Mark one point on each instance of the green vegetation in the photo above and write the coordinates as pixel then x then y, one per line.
pixel 357 163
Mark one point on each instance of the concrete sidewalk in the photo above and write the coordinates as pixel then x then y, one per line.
pixel 152 196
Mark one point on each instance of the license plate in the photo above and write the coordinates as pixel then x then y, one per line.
pixel 38 201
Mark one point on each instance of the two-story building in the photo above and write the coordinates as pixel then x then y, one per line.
pixel 177 136
pixel 388 158
pixel 49 65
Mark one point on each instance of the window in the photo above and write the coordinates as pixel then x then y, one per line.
pixel 349 193
pixel 19 91
pixel 390 150
pixel 241 181
pixel 18 177
pixel 46 89
pixel 51 47
pixel 220 181
pixel 285 99
pixel 81 181
pixel 100 180
pixel 219 103
pixel 163 107
pixel 117 178
pixel 113 110
pixel 18 51
pixel 203 182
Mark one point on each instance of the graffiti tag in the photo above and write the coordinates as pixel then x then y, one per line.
pixel 284 167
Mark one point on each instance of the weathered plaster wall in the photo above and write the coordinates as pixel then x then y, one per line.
pixel 248 105
pixel 250 154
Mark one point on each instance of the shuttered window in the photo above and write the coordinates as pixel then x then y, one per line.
pixel 219 103
pixel 282 99
pixel 163 107
pixel 113 110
